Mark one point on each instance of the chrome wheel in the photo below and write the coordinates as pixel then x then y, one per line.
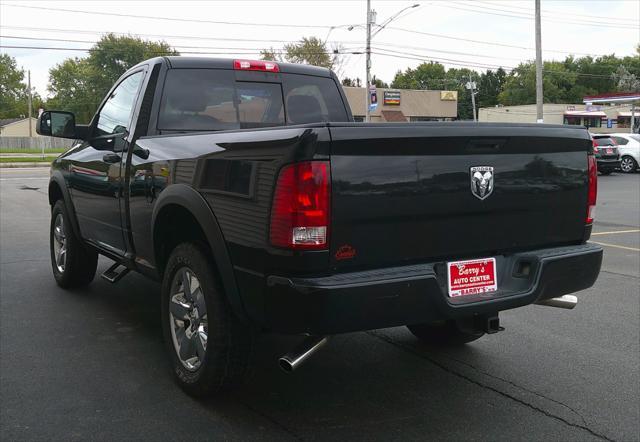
pixel 627 165
pixel 188 319
pixel 59 243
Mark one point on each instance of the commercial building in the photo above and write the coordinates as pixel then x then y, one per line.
pixel 18 127
pixel 599 118
pixel 404 104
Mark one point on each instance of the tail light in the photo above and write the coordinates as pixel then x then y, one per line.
pixel 256 65
pixel 301 204
pixel 595 145
pixel 593 188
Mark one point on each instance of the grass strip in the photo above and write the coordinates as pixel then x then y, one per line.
pixel 27 159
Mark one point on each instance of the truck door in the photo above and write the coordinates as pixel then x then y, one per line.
pixel 96 178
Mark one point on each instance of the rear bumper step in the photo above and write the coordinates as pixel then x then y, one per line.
pixel 418 294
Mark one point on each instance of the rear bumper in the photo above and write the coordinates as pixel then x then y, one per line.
pixel 608 164
pixel 418 294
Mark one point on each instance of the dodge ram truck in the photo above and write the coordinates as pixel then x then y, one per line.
pixel 246 189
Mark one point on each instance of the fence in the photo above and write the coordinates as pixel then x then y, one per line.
pixel 27 143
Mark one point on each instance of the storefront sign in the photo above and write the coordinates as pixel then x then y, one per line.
pixel 392 98
pixel 448 95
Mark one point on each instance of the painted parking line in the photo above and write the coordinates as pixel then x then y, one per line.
pixel 616 246
pixel 616 231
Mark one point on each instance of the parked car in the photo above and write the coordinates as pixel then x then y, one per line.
pixel 629 148
pixel 607 154
pixel 246 188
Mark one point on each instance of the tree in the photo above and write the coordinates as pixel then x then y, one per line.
pixel 489 87
pixel 426 76
pixel 626 81
pixel 270 55
pixel 310 50
pixel 378 83
pixel 352 82
pixel 80 84
pixel 13 95
pixel 74 89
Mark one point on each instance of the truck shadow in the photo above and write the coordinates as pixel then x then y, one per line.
pixel 357 386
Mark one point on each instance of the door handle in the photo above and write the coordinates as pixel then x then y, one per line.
pixel 111 158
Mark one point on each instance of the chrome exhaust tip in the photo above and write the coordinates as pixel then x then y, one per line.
pixel 301 353
pixel 566 301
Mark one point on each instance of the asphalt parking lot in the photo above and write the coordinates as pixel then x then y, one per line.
pixel 90 365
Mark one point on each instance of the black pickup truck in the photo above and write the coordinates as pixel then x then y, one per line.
pixel 248 191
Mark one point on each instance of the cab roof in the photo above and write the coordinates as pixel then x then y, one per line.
pixel 179 62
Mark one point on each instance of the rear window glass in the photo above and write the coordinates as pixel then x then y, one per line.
pixel 604 142
pixel 212 99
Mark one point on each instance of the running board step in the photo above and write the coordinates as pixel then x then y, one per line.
pixel 113 275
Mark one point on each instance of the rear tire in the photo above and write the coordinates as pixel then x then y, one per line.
pixel 208 346
pixel 628 164
pixel 445 333
pixel 73 264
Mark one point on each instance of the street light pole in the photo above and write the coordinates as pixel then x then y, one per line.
pixel 370 22
pixel 368 55
pixel 30 105
pixel 472 87
pixel 539 92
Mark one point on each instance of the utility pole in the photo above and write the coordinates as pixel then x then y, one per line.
pixel 539 92
pixel 30 106
pixel 368 54
pixel 472 86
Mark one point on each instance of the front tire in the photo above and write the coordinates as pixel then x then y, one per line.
pixel 73 264
pixel 444 333
pixel 208 347
pixel 628 164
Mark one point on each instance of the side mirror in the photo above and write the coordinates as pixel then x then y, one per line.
pixel 57 124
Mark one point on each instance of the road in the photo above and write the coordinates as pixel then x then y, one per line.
pixel 90 364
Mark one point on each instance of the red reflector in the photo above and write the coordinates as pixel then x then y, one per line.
pixel 301 203
pixel 256 65
pixel 593 188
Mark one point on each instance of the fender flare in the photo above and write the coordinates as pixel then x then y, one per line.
pixel 58 179
pixel 188 198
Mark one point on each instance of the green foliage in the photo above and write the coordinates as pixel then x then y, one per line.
pixel 566 81
pixel 426 76
pixel 353 82
pixel 309 50
pixel 378 83
pixel 79 84
pixel 13 90
pixel 270 54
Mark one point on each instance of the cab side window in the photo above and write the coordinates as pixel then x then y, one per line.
pixel 116 113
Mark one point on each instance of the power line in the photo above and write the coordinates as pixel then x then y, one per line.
pixel 489 43
pixel 185 20
pixel 192 37
pixel 161 53
pixel 561 13
pixel 418 57
pixel 280 50
pixel 511 14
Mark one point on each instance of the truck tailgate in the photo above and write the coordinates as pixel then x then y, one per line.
pixel 405 193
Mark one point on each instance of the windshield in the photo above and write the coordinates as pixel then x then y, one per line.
pixel 212 99
pixel 635 137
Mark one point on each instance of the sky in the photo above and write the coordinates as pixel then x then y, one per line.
pixel 479 34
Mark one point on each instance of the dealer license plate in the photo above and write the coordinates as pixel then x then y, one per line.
pixel 472 277
pixel 609 151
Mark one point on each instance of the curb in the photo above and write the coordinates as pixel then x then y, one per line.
pixel 25 164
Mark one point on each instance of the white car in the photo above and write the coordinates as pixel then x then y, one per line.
pixel 629 147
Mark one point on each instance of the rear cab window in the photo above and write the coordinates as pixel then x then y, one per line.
pixel 213 99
